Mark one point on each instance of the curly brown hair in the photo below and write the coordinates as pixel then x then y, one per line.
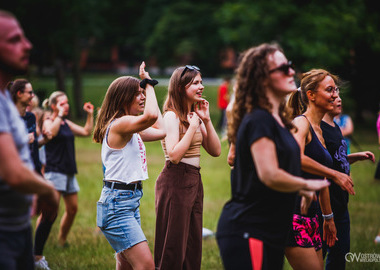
pixel 251 90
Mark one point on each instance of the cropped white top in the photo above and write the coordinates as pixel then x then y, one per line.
pixel 127 164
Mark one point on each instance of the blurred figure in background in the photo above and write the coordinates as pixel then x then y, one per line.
pixel 61 165
pixel 377 172
pixel 18 180
pixel 346 125
pixel 22 94
pixel 223 100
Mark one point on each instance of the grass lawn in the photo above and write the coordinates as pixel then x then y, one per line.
pixel 90 250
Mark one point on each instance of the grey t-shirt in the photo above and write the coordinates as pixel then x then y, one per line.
pixel 14 206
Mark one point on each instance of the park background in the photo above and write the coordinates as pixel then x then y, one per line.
pixel 81 46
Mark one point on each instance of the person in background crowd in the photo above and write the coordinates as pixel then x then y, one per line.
pixel 223 100
pixel 377 172
pixel 179 188
pixel 254 224
pixel 128 116
pixel 61 165
pixel 18 180
pixel 337 147
pixel 231 150
pixel 346 126
pixel 22 95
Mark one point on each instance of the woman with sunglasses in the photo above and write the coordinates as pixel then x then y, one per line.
pixel 337 146
pixel 179 189
pixel 128 116
pixel 310 103
pixel 254 224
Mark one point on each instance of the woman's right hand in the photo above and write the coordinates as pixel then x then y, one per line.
pixel 193 119
pixel 143 73
pixel 61 109
pixel 306 199
pixel 314 185
pixel 345 182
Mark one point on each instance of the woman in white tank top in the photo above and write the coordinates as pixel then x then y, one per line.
pixel 128 116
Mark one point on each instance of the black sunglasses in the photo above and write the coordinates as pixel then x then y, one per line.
pixel 284 68
pixel 189 67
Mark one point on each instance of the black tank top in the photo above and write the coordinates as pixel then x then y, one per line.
pixel 60 152
pixel 315 150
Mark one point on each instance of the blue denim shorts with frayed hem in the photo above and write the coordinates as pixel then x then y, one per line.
pixel 118 216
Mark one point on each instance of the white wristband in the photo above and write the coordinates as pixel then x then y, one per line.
pixel 328 217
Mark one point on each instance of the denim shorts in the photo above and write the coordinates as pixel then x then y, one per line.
pixel 118 216
pixel 65 183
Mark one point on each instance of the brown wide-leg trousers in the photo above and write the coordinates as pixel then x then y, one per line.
pixel 179 208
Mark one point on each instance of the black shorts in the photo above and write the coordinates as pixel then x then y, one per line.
pixel 249 253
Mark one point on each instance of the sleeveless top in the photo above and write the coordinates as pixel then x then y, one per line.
pixel 315 150
pixel 60 152
pixel 195 145
pixel 127 164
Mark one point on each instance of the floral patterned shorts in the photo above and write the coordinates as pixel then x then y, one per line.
pixel 305 232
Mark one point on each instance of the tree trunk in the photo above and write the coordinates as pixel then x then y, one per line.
pixel 60 74
pixel 77 81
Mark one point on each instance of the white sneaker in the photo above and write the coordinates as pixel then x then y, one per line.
pixel 41 264
pixel 377 239
pixel 207 233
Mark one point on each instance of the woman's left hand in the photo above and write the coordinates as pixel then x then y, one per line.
pixel 367 155
pixel 201 108
pixel 143 73
pixel 88 107
pixel 329 232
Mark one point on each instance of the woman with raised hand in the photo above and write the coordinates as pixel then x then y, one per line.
pixel 128 116
pixel 254 224
pixel 61 165
pixel 179 189
pixel 310 103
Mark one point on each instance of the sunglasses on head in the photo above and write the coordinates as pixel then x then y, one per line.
pixel 284 68
pixel 189 67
